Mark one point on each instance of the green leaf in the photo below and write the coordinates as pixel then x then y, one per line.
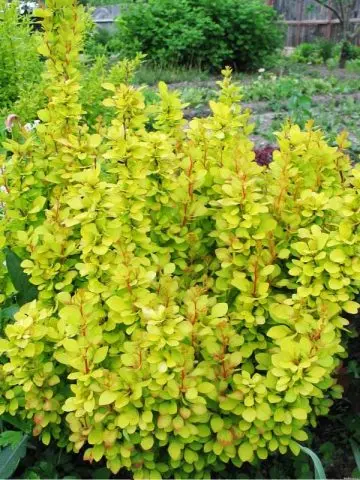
pixel 26 292
pixel 351 307
pixel 38 205
pixel 299 413
pixel 278 332
pixel 175 450
pixel 70 345
pixel 10 437
pixel 249 414
pixel 217 424
pixel 246 452
pixel 356 451
pixel 107 397
pixel 100 354
pixel 10 457
pixel 95 140
pixel 337 256
pixel 115 303
pixel 24 425
pixel 219 310
pixel 319 469
pixel 147 442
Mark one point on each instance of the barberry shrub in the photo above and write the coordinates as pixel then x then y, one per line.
pixel 189 301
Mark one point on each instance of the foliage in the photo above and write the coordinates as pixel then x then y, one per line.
pixel 13 446
pixel 332 116
pixel 93 94
pixel 21 89
pixel 318 52
pixel 151 74
pixel 97 42
pixel 323 51
pixel 11 455
pixel 343 11
pixel 207 34
pixel 319 469
pixel 19 62
pixel 353 66
pixel 189 309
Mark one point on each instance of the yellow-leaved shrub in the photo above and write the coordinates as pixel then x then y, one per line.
pixel 188 308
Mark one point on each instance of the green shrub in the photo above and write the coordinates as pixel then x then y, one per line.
pixel 20 65
pixel 318 52
pixel 188 301
pixel 201 33
pixel 97 42
pixel 353 66
pixel 324 51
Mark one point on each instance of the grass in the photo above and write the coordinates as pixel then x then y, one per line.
pixel 151 74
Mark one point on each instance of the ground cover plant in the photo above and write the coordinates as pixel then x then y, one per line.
pixel 187 305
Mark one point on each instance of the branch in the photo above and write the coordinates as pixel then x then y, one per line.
pixel 355 33
pixel 332 9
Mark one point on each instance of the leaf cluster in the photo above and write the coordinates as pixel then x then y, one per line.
pixel 201 33
pixel 189 301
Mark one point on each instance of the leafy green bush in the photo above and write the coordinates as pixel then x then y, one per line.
pixel 97 42
pixel 188 310
pixel 353 66
pixel 20 65
pixel 318 52
pixel 323 51
pixel 205 33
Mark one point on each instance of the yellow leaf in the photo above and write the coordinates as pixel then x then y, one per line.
pixel 95 140
pixel 107 397
pixel 100 354
pixel 246 452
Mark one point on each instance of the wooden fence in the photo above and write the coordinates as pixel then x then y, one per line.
pixel 307 20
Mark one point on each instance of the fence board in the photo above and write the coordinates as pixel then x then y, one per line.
pixel 307 21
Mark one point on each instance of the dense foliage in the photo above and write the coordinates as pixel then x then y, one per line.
pixel 324 51
pixel 20 66
pixel 206 33
pixel 186 309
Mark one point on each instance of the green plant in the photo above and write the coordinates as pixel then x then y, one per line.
pixel 353 66
pixel 201 33
pixel 93 94
pixel 189 302
pixel 318 52
pixel 19 61
pixel 151 74
pixel 343 11
pixel 13 449
pixel 319 469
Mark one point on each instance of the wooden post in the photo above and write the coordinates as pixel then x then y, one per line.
pixel 329 27
pixel 299 14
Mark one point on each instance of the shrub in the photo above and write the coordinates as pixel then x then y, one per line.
pixel 324 51
pixel 97 42
pixel 205 33
pixel 318 52
pixel 19 61
pixel 187 309
pixel 353 66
